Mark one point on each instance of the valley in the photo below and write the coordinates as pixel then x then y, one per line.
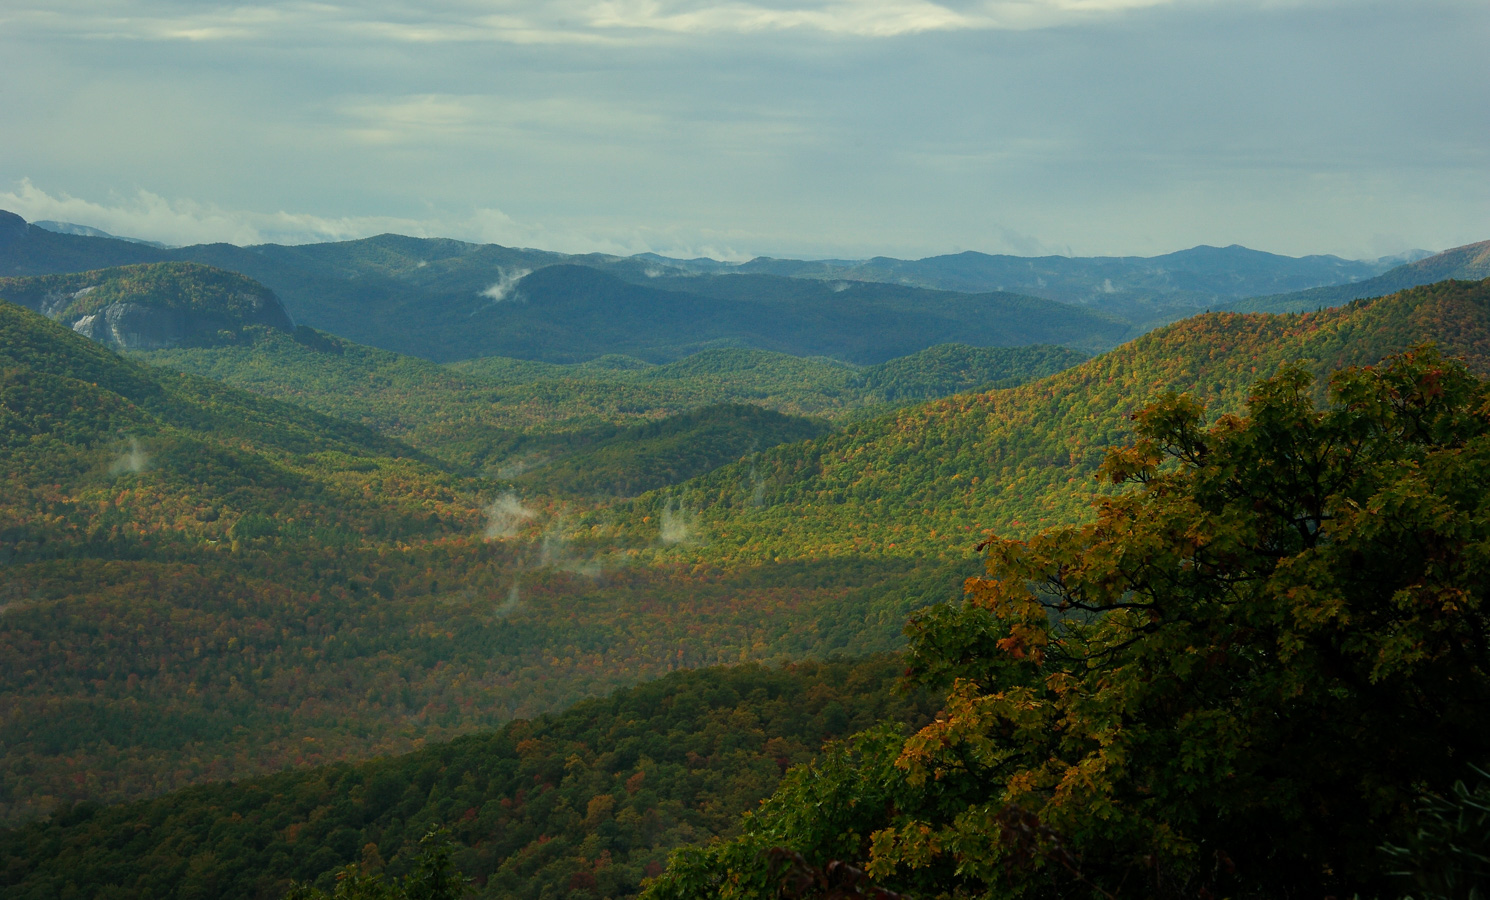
pixel 309 549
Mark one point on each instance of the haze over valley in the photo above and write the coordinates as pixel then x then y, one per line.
pixel 698 450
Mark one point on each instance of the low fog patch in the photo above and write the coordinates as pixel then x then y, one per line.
pixel 505 287
pixel 132 461
pixel 505 517
pixel 678 525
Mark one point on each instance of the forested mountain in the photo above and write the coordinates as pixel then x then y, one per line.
pixel 930 480
pixel 461 611
pixel 153 305
pixel 503 416
pixel 645 457
pixel 1257 671
pixel 201 583
pixel 445 299
pixel 441 633
pixel 581 804
pixel 1468 263
pixel 572 313
pixel 1140 289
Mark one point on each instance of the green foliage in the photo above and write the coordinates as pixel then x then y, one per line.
pixel 1447 857
pixel 586 803
pixel 1234 682
pixel 201 583
pixel 931 479
pixel 955 368
pixel 672 450
pixel 506 415
pixel 433 878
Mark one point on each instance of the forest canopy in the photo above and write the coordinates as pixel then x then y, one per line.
pixel 1242 679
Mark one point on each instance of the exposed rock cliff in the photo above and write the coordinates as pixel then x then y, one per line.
pixel 153 306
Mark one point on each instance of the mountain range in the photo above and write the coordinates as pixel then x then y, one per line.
pixel 179 608
pixel 446 300
pixel 244 543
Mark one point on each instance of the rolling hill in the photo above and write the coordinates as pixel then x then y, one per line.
pixel 1468 263
pixel 502 416
pixel 928 481
pixel 201 584
pixel 584 803
pixel 445 299
pixel 152 306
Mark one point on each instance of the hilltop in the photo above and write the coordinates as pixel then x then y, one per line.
pixel 930 480
pixel 445 299
pixel 152 306
pixel 1468 263
pixel 202 584
pixel 504 416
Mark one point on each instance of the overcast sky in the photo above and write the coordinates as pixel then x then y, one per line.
pixel 737 128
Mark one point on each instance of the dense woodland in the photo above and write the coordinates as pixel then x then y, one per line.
pixel 585 803
pixel 931 480
pixel 283 550
pixel 502 416
pixel 1259 672
pixel 203 584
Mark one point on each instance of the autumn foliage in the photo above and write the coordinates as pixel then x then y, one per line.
pixel 1239 680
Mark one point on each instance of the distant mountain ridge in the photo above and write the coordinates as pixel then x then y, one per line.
pixel 445 299
pixel 1193 278
pixel 90 231
pixel 1468 263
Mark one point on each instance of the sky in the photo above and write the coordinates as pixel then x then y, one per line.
pixel 738 128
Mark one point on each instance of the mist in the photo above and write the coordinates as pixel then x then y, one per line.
pixel 505 516
pixel 132 461
pixel 504 287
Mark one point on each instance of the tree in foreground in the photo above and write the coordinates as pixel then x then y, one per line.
pixel 433 877
pixel 1241 680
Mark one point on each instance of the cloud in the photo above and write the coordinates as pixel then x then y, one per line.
pixel 507 279
pixel 132 461
pixel 506 516
pixel 678 525
pixel 184 221
pixel 558 22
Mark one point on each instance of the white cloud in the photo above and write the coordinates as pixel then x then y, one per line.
pixel 506 516
pixel 181 222
pixel 507 279
pixel 184 221
pixel 564 21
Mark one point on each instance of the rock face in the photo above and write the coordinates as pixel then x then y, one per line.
pixel 130 326
pixel 135 326
pixel 152 307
